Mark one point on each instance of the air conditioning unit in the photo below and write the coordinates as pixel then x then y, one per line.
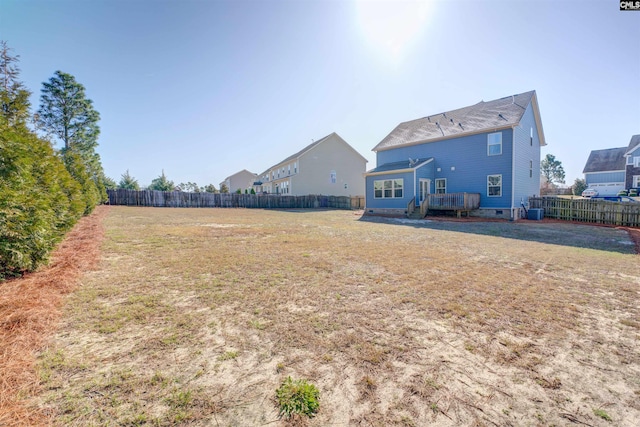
pixel 535 214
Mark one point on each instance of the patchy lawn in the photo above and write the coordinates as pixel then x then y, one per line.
pixel 196 316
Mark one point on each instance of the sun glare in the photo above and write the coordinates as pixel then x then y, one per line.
pixel 391 26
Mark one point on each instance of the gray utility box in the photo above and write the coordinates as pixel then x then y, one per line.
pixel 536 214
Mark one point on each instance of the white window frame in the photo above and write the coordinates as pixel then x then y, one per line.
pixel 333 177
pixel 629 160
pixel 492 143
pixel 636 181
pixel 636 161
pixel 490 186
pixel 393 186
pixel 438 188
pixel 295 167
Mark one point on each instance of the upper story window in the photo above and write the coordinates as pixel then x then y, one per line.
pixel 388 189
pixel 636 162
pixel 333 177
pixel 530 168
pixel 441 185
pixel 531 138
pixel 295 167
pixel 289 169
pixel 494 185
pixel 629 160
pixel 494 144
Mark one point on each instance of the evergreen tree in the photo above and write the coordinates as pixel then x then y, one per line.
pixel 224 188
pixel 210 188
pixel 579 185
pixel 161 183
pixel 67 114
pixel 14 97
pixel 109 183
pixel 128 182
pixel 39 200
pixel 552 169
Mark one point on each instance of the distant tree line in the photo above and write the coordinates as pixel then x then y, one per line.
pixel 43 191
pixel 162 183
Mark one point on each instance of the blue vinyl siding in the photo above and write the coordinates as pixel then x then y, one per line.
pixel 390 203
pixel 468 155
pixel 604 177
pixel 526 185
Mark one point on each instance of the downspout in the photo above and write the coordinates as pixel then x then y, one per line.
pixel 414 185
pixel 513 172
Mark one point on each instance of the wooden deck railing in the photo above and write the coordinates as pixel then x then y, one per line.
pixel 453 201
pixel 411 206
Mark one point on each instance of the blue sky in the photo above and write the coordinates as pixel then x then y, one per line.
pixel 203 89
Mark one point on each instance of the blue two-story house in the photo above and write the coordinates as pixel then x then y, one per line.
pixel 490 148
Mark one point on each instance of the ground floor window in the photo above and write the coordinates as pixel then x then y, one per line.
pixel 494 185
pixel 441 186
pixel 636 181
pixel 388 189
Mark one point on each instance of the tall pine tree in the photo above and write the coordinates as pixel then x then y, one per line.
pixel 66 113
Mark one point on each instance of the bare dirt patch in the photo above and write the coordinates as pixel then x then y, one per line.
pixel 395 323
pixel 29 314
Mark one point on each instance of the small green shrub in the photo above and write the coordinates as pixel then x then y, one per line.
pixel 602 414
pixel 297 397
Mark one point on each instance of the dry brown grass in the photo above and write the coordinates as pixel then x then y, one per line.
pixel 195 317
pixel 29 314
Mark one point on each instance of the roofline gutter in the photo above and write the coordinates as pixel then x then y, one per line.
pixel 613 171
pixel 403 170
pixel 389 172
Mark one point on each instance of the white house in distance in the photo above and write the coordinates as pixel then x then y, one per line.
pixel 328 166
pixel 242 180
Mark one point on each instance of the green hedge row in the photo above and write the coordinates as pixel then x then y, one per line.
pixel 39 200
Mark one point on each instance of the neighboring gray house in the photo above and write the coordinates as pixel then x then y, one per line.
pixel 613 169
pixel 242 181
pixel 490 148
pixel 605 171
pixel 328 166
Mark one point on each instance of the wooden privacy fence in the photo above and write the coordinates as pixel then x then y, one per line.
pixel 180 199
pixel 587 210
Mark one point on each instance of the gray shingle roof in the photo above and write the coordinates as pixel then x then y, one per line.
pixel 499 113
pixel 405 164
pixel 611 159
pixel 635 141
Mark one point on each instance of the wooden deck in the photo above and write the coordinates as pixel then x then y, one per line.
pixel 458 202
